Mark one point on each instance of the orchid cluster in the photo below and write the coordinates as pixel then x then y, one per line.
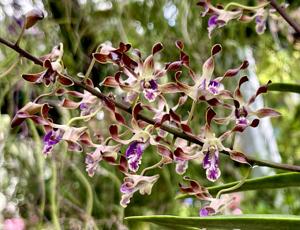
pixel 220 16
pixel 142 89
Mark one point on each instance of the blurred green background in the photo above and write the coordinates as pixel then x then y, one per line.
pixel 34 187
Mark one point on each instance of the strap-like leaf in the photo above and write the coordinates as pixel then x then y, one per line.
pixel 262 222
pixel 268 182
pixel 284 87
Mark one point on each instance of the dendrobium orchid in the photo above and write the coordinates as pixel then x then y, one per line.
pixel 134 183
pixel 220 205
pixel 177 137
pixel 220 16
pixel 137 144
pixel 242 113
pixel 102 152
pixel 54 71
pixel 141 76
pixel 51 138
pixel 205 88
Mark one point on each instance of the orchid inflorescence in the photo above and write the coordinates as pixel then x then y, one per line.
pixel 144 89
pixel 142 86
pixel 221 15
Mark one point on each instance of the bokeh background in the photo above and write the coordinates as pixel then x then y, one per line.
pixel 39 189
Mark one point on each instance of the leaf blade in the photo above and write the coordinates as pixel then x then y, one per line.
pixel 264 222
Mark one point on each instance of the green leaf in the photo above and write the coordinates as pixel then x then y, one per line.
pixel 269 182
pixel 262 222
pixel 284 87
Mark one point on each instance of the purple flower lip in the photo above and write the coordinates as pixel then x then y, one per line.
pixel 243 121
pixel 153 84
pixel 125 188
pixel 150 89
pixel 213 87
pixel 83 106
pixel 206 211
pixel 211 164
pixel 212 21
pixel 133 155
pixel 50 139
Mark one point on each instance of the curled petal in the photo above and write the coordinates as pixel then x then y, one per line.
pixel 260 90
pixel 134 183
pixel 233 72
pixel 32 77
pixel 267 112
pixel 210 114
pixel 64 80
pixel 157 48
pixel 238 157
pixel 195 189
pixel 32 17
pixel 110 82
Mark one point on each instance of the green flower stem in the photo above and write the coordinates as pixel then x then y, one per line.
pixel 89 190
pixel 238 185
pixel 175 131
pixel 284 87
pixel 89 70
pixel 83 117
pixel 9 69
pixel 235 4
pixel 191 113
pixel 40 164
pixel 53 197
pixel 22 33
pixel 152 166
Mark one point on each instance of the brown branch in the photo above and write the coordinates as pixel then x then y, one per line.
pixel 286 17
pixel 176 132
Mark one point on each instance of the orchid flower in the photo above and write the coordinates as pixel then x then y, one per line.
pixel 220 16
pixel 141 76
pixel 212 146
pixel 137 144
pixel 225 204
pixel 102 152
pixel 242 112
pixel 54 71
pixel 205 88
pixel 134 183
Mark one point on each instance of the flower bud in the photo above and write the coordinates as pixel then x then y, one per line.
pixel 32 17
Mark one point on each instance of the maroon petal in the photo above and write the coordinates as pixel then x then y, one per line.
pixel 267 112
pixel 123 165
pixel 113 130
pixel 32 77
pixel 233 72
pixel 170 87
pixel 260 90
pixel 110 82
pixel 237 92
pixel 157 48
pixel 69 104
pixel 136 110
pixel 165 153
pixel 216 49
pixel 209 116
pixel 179 44
pixel 102 58
pixel 238 157
pixel 254 123
pixel 119 118
pixel 64 80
